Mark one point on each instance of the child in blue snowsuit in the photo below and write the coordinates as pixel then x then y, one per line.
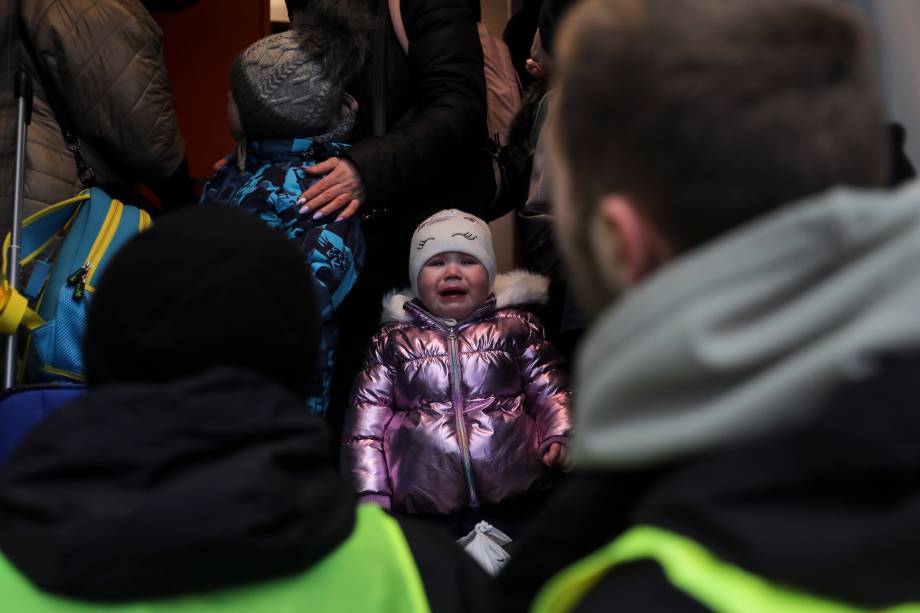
pixel 288 110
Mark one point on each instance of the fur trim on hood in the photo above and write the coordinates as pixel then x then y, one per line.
pixel 515 288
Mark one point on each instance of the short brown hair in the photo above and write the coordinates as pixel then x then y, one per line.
pixel 710 113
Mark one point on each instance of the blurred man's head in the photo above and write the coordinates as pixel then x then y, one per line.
pixel 207 287
pixel 679 120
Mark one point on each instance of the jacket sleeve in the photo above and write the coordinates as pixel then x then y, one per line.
pixel 334 266
pixel 546 385
pixel 446 66
pixel 106 60
pixel 363 458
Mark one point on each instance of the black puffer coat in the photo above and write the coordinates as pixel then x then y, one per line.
pixel 432 156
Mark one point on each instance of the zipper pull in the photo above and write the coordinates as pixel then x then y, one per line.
pixel 452 334
pixel 78 279
pixel 79 273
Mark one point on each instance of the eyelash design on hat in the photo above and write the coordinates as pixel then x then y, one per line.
pixel 422 243
pixel 432 222
pixel 467 235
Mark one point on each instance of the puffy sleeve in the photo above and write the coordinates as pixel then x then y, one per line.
pixel 546 385
pixel 363 456
pixel 335 255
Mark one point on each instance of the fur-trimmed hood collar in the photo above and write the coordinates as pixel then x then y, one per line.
pixel 516 288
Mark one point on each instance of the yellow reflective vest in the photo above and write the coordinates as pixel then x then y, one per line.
pixel 373 570
pixel 692 569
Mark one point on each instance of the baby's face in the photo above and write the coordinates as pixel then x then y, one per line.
pixel 452 284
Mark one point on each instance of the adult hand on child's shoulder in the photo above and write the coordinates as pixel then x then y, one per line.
pixel 341 190
pixel 557 456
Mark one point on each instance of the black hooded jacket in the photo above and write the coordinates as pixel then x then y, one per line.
pixel 832 509
pixel 432 156
pixel 138 492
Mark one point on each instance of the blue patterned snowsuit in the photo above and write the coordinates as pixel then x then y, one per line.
pixel 269 187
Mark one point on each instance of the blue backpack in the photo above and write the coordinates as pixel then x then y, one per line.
pixel 93 227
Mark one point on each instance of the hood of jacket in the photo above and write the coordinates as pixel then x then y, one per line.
pixel 288 150
pixel 138 492
pixel 515 288
pixel 751 332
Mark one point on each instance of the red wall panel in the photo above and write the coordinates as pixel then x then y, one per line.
pixel 200 44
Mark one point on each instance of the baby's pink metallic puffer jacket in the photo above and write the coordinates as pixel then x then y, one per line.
pixel 448 417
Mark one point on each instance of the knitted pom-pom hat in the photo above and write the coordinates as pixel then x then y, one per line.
pixel 292 84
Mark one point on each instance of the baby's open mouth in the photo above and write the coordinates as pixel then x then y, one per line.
pixel 452 293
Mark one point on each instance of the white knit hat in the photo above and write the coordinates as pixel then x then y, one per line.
pixel 451 230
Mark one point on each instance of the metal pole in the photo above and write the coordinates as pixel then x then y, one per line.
pixel 24 116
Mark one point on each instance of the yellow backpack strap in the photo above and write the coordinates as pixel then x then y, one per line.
pixel 15 311
pixel 61 215
pixel 48 223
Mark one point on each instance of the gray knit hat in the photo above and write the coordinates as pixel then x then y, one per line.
pixel 292 84
pixel 281 92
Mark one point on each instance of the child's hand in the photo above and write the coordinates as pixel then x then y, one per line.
pixel 557 457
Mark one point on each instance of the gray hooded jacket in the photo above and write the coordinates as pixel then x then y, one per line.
pixel 749 333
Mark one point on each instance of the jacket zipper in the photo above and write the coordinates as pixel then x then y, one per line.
pixel 458 413
pixel 82 277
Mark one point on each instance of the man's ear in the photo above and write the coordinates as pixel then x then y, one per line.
pixel 635 247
